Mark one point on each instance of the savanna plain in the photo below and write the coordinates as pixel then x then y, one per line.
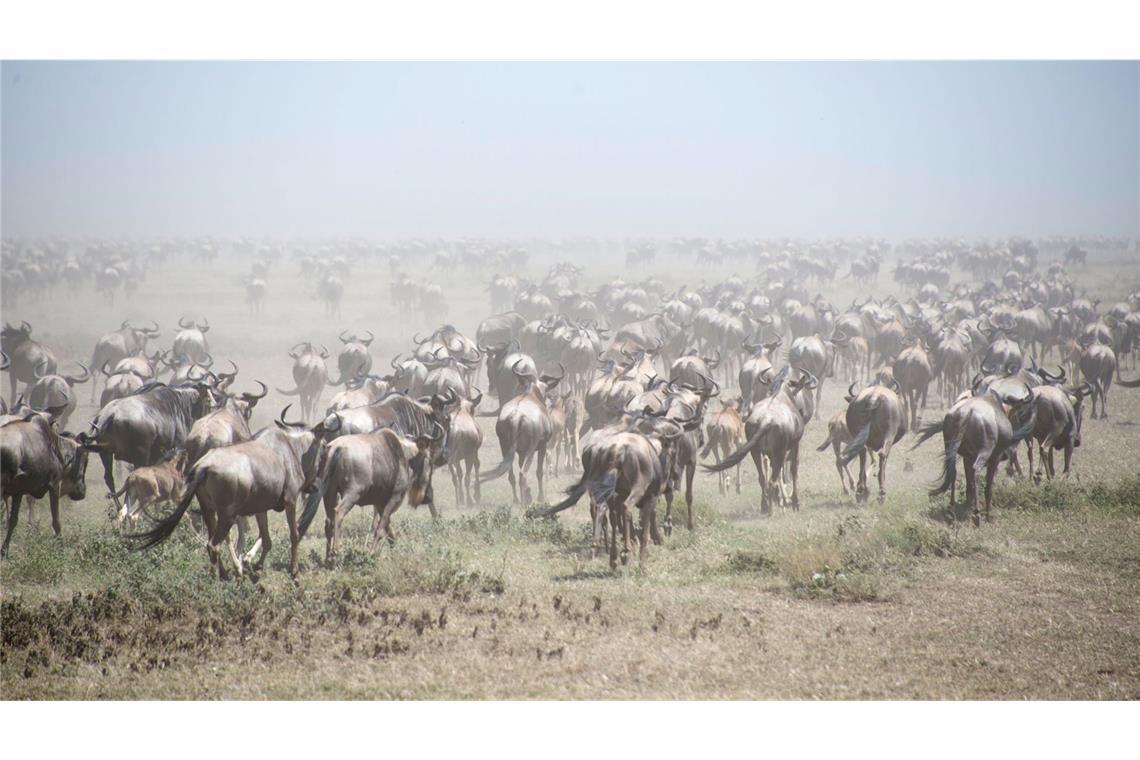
pixel 836 601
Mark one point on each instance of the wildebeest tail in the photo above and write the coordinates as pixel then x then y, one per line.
pixel 314 499
pixel 826 442
pixel 927 431
pixel 573 494
pixel 857 444
pixel 737 456
pixel 949 461
pixel 501 468
pixel 163 529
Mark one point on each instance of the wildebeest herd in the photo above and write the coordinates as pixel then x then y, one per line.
pixel 626 382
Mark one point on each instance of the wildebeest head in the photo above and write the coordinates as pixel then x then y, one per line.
pixel 11 337
pixel 422 464
pixel 73 456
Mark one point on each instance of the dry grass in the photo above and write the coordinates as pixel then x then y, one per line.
pixel 835 601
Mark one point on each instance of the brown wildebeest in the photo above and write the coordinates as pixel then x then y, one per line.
pixel 774 428
pixel 118 345
pixel 377 469
pixel 247 479
pixel 463 444
pixel 978 429
pixel 24 356
pixel 837 437
pixel 148 486
pixel 36 461
pixel 624 470
pixel 876 420
pixel 723 434
pixel 524 430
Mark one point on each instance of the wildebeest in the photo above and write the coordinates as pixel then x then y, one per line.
pixel 377 469
pixel 56 394
pixel 24 357
pixel 36 461
pixel 524 430
pixel 190 345
pixel 773 429
pixel 114 346
pixel 838 436
pixel 463 450
pixel 243 480
pixel 1057 426
pixel 912 372
pixel 978 429
pixel 625 470
pixel 354 358
pixel 309 377
pixel 224 426
pixel 142 428
pixel 148 486
pixel 723 434
pixel 876 420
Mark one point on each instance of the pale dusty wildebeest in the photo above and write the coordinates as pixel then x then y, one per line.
pixel 24 356
pixel 149 486
pixel 118 345
pixel 56 394
pixel 723 434
pixel 309 377
pixel 463 445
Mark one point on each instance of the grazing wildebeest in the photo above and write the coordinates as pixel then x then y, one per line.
pixel 463 445
pixel 773 429
pixel 142 428
pixel 524 430
pixel 354 358
pixel 24 356
pixel 118 345
pixel 876 421
pixel 243 480
pixel 149 486
pixel 309 376
pixel 36 461
pixel 377 469
pixel 978 429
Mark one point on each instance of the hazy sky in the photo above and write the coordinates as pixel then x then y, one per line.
pixel 520 149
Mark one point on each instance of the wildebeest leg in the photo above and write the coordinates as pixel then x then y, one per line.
pixel 514 487
pixel 473 464
pixel 335 510
pixel 540 473
pixel 626 532
pixel 107 458
pixel 991 469
pixel 12 385
pixel 53 502
pixel 690 471
pixel 971 497
pixel 384 527
pixel 883 471
pixel 841 468
pixel 13 518
pixel 758 459
pixel 1068 460
pixel 1104 398
pixel 720 476
pixel 862 490
pixel 776 479
pixel 456 480
pixel 615 529
pixel 263 542
pixel 794 468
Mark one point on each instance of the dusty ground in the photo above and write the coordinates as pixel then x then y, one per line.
pixel 835 601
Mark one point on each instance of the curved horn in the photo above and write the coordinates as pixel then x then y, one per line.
pixel 153 331
pixel 204 326
pixel 344 339
pixel 475 401
pixel 184 323
pixel 71 380
pixel 418 341
pixel 255 396
pixel 324 352
pixel 292 350
pixel 124 324
pixel 371 338
pixel 36 370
